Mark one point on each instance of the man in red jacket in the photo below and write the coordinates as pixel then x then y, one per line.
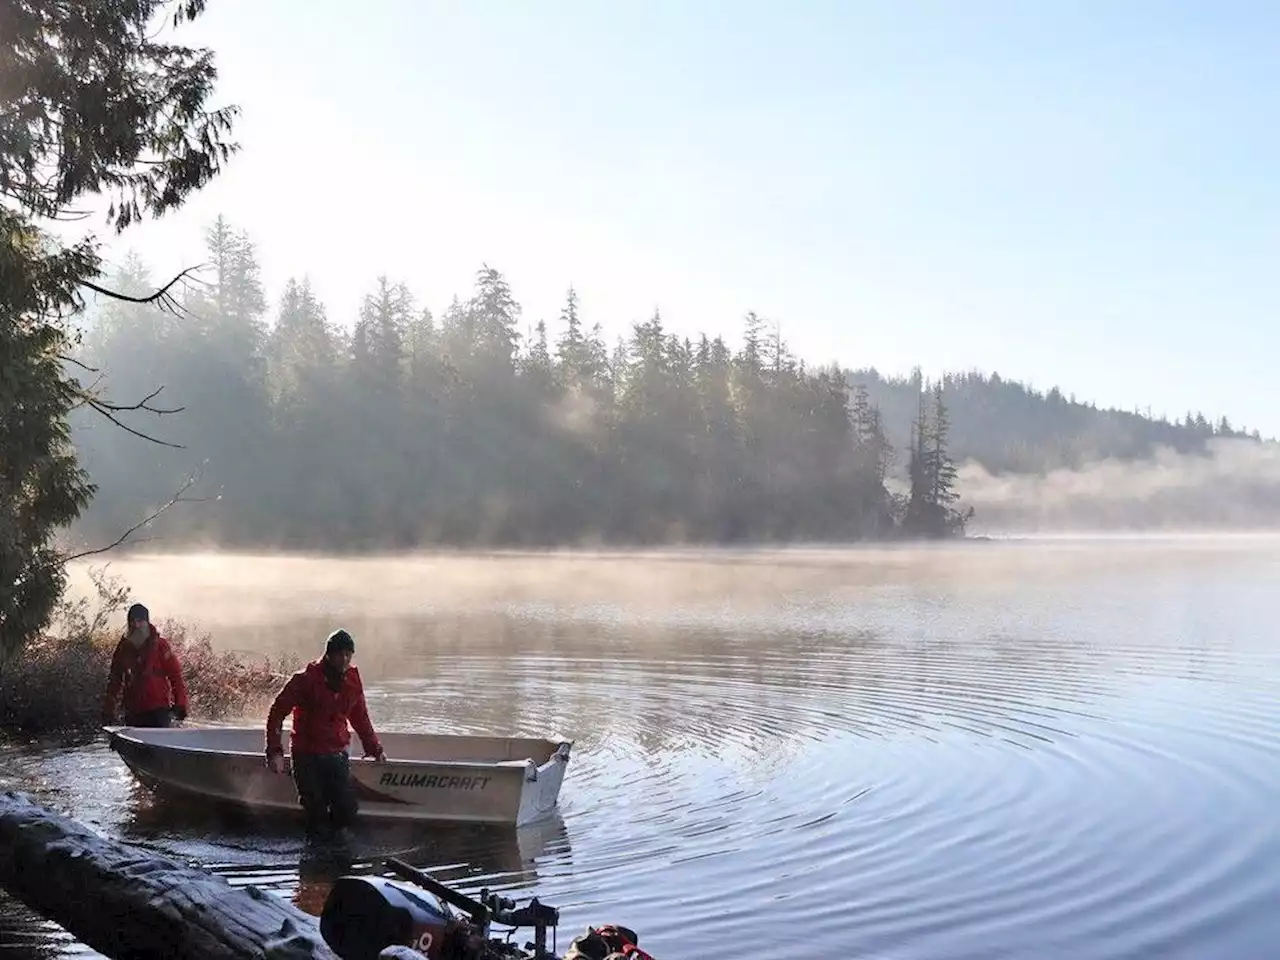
pixel 146 668
pixel 323 697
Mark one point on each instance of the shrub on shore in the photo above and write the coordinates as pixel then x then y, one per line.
pixel 56 683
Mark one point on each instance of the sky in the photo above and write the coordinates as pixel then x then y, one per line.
pixel 1081 194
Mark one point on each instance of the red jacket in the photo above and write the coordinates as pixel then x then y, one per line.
pixel 150 676
pixel 320 715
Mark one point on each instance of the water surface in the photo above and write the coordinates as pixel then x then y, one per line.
pixel 990 750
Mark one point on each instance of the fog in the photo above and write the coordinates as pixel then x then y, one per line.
pixel 1234 485
pixel 233 591
pixel 1111 515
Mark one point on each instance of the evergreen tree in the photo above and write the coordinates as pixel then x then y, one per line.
pixel 378 342
pixel 949 520
pixel 929 511
pixel 941 471
pixel 431 374
pixel 91 104
pixel 917 519
pixel 536 368
pixel 495 316
pixel 302 344
pixel 573 365
pixel 444 439
pixel 42 487
pixel 232 308
pixel 458 339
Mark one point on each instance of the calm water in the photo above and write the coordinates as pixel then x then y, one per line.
pixel 1047 750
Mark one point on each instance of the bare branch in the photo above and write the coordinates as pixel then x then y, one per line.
pixel 79 363
pixel 161 297
pixel 143 404
pixel 106 412
pixel 176 498
pixel 86 397
pixel 93 386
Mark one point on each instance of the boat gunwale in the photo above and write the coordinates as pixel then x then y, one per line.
pixel 115 733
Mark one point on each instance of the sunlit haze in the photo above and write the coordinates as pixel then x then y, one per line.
pixel 1071 194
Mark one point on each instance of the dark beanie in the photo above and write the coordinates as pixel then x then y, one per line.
pixel 339 640
pixel 138 612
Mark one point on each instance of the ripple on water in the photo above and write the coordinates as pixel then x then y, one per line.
pixel 1060 770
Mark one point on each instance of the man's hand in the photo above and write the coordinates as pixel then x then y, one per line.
pixel 275 761
pixel 379 757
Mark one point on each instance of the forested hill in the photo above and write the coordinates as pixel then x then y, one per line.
pixel 410 425
pixel 1009 427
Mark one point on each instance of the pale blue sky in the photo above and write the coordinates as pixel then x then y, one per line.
pixel 1079 193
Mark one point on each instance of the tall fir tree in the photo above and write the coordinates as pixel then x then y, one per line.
pixel 91 104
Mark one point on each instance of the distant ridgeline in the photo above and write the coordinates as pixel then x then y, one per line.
pixel 477 428
pixel 1010 428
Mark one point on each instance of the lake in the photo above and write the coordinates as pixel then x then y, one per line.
pixel 1053 748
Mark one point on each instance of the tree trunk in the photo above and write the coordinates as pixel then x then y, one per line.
pixel 124 901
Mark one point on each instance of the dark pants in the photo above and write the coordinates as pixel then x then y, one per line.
pixel 162 717
pixel 325 791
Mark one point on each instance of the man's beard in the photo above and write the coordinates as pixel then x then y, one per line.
pixel 333 675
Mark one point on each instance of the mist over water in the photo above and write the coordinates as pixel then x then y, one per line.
pixel 1234 484
pixel 1030 749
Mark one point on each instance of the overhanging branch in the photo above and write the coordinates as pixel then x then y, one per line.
pixel 109 410
pixel 176 498
pixel 162 297
pixel 143 404
pixel 106 412
pixel 79 363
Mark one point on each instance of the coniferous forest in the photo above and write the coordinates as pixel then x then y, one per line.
pixel 476 427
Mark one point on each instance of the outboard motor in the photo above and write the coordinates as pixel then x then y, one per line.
pixel 364 915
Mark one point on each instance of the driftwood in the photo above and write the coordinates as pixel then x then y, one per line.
pixel 124 901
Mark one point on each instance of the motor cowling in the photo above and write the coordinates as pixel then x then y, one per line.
pixel 364 915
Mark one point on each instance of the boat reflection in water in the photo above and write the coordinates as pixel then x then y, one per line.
pixel 466 856
pixel 269 850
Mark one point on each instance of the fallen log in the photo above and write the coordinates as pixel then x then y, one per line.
pixel 124 901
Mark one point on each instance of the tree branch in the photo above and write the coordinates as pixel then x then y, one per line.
pixel 143 404
pixel 162 297
pixel 79 363
pixel 176 498
pixel 93 386
pixel 109 410
pixel 106 412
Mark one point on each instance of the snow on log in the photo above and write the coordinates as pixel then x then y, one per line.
pixel 123 900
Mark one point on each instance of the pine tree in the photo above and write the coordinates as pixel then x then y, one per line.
pixel 536 369
pixel 572 364
pixel 495 315
pixel 42 486
pixel 301 343
pixel 941 471
pixel 917 519
pixel 378 355
pixel 458 338
pixel 91 103
pixel 431 373
pixel 929 511
pixel 233 305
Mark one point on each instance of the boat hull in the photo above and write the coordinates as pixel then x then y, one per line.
pixel 426 777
